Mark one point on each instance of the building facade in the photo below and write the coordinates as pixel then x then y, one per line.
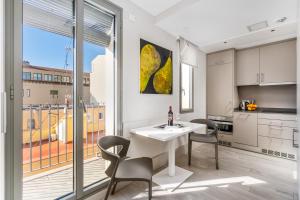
pixel 44 85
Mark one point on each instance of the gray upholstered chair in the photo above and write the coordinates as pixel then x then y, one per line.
pixel 211 137
pixel 122 168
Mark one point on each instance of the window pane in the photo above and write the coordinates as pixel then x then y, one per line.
pixel 47 129
pixel 98 88
pixel 186 87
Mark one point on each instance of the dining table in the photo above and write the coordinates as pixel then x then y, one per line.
pixel 172 176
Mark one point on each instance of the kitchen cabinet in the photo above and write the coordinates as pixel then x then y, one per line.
pixel 245 128
pixel 273 64
pixel 220 58
pixel 247 67
pixel 220 90
pixel 277 135
pixel 278 63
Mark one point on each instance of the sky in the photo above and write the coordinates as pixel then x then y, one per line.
pixel 45 49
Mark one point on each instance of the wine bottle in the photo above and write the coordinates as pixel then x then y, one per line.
pixel 170 117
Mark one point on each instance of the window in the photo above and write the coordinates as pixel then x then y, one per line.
pixel 28 92
pixel 47 77
pixel 66 79
pixel 56 78
pixel 54 93
pixel 186 91
pixel 26 75
pixel 37 76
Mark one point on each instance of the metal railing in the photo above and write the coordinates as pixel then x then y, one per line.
pixel 48 135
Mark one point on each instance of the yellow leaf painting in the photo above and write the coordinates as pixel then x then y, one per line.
pixel 155 69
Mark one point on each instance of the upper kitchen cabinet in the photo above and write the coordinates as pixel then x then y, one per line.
pixel 278 63
pixel 220 58
pixel 247 67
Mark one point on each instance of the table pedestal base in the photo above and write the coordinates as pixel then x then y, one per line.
pixel 167 182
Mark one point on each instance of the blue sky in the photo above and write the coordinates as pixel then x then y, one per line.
pixel 47 49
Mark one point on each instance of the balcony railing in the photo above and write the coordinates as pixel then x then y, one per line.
pixel 48 135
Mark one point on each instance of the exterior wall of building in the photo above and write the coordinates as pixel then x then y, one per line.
pixel 50 91
pixel 40 93
pixel 102 86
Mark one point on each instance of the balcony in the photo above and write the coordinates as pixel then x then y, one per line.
pixel 48 149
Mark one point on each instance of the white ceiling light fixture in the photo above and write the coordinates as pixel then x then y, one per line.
pixel 258 26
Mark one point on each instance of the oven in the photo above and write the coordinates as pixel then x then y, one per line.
pixel 225 125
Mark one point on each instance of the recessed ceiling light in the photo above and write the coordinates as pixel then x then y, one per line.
pixel 258 26
pixel 281 20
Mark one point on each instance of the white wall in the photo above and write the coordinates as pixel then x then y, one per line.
pixel 283 96
pixel 144 109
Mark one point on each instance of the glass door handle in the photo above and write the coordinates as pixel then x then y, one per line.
pixel 82 104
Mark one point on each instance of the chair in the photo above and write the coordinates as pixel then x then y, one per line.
pixel 210 137
pixel 122 168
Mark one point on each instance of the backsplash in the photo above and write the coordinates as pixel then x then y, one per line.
pixel 283 96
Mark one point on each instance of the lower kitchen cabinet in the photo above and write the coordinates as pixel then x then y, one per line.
pixel 245 128
pixel 279 132
pixel 277 135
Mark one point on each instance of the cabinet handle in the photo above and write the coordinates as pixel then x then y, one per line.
pixel 274 124
pixel 257 78
pixel 294 144
pixel 275 128
pixel 262 77
pixel 245 116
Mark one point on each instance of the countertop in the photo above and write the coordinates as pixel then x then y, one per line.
pixel 270 110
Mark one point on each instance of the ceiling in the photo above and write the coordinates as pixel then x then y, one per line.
pixel 155 7
pixel 219 24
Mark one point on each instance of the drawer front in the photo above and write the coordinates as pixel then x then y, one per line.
pixel 276 132
pixel 277 122
pixel 287 117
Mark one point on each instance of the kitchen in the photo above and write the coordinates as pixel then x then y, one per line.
pixel 253 91
pixel 200 100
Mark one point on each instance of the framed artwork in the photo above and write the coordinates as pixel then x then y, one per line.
pixel 156 65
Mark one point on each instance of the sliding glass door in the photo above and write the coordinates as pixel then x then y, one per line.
pixel 70 94
pixel 98 116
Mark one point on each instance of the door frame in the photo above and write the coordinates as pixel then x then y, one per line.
pixel 13 88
